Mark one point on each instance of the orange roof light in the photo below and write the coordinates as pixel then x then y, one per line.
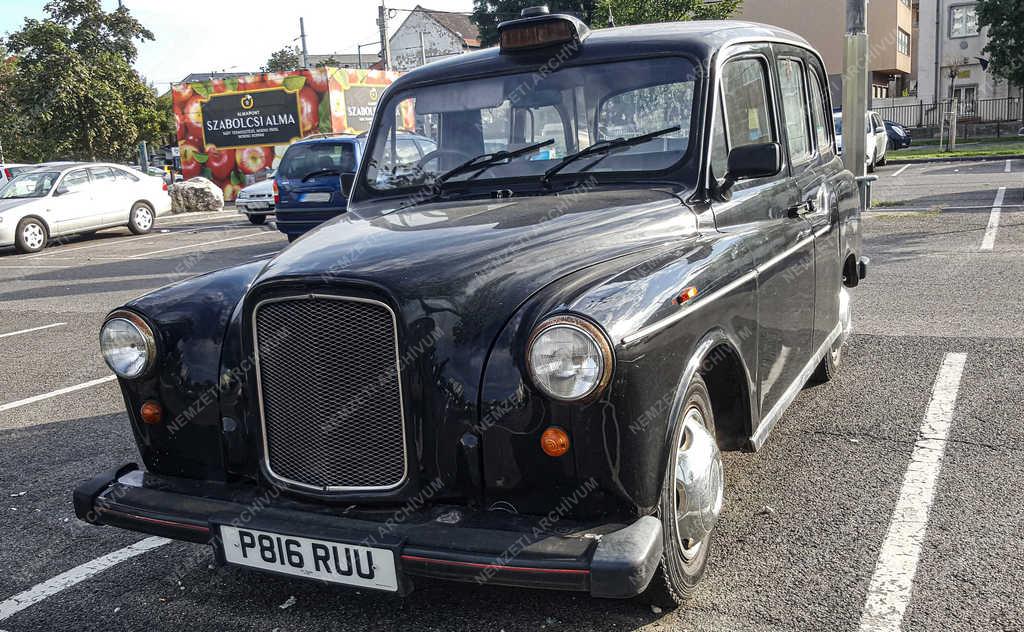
pixel 554 441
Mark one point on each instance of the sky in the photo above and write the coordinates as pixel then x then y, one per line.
pixel 239 35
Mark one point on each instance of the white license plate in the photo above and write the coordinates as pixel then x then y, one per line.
pixel 252 206
pixel 315 197
pixel 313 559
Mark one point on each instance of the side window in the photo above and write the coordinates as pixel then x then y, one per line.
pixel 818 113
pixel 101 174
pixel 745 92
pixel 719 144
pixel 73 181
pixel 124 176
pixel 794 108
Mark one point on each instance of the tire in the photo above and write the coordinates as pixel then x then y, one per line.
pixel 31 236
pixel 885 156
pixel 828 368
pixel 677 576
pixel 141 218
pixel 871 165
pixel 258 220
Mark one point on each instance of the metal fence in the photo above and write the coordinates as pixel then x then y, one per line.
pixel 923 114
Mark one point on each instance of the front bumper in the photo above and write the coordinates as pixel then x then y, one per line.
pixel 441 541
pixel 250 208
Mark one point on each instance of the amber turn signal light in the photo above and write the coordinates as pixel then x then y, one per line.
pixel 554 441
pixel 151 413
pixel 685 295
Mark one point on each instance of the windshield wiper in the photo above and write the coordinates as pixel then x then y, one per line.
pixel 483 161
pixel 320 172
pixel 479 164
pixel 605 147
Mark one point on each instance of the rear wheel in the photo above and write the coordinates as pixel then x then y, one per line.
pixel 140 221
pixel 258 219
pixel 684 559
pixel 31 235
pixel 871 163
pixel 828 368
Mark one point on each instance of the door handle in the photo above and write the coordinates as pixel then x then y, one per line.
pixel 803 208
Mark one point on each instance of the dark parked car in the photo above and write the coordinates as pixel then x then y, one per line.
pixel 307 187
pixel 899 137
pixel 516 366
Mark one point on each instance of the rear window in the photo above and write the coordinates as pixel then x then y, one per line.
pixel 308 158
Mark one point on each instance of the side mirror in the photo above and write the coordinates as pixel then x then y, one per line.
pixel 748 162
pixel 348 180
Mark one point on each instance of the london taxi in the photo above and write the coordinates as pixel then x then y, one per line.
pixel 517 359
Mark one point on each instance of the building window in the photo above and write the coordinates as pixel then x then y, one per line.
pixel 902 42
pixel 963 21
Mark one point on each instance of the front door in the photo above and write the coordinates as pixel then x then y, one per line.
pixel 780 240
pixel 73 203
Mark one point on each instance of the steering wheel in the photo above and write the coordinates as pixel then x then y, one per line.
pixel 437 153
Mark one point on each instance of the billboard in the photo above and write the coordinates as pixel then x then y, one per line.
pixel 233 131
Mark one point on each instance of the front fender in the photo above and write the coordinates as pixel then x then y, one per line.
pixel 189 319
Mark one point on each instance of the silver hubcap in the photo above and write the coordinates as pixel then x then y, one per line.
pixel 699 485
pixel 34 236
pixel 143 218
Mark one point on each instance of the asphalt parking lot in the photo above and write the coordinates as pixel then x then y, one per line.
pixel 819 529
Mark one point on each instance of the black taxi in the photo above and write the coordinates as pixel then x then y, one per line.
pixel 517 358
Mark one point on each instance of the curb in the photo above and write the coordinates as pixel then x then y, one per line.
pixel 913 161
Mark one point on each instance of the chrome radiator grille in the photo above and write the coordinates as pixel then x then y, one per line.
pixel 330 392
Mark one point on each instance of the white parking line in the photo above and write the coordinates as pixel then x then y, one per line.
pixel 989 241
pixel 26 331
pixel 58 392
pixel 1009 166
pixel 901 170
pixel 893 579
pixel 66 580
pixel 205 243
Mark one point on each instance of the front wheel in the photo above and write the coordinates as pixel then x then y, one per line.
pixel 257 220
pixel 691 502
pixel 871 164
pixel 140 220
pixel 31 236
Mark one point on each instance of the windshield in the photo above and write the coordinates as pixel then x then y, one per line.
pixel 30 185
pixel 575 107
pixel 325 159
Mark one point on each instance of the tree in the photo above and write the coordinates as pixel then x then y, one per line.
pixel 1005 47
pixel 69 90
pixel 649 11
pixel 488 13
pixel 288 58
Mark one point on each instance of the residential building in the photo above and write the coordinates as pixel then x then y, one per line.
pixel 823 24
pixel 950 54
pixel 425 36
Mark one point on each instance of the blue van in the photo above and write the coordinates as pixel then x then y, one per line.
pixel 307 187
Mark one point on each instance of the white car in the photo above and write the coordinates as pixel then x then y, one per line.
pixel 256 201
pixel 68 198
pixel 877 141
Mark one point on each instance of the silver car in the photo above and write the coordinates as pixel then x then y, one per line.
pixel 256 201
pixel 68 198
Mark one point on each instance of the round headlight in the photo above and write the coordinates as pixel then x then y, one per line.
pixel 569 358
pixel 128 345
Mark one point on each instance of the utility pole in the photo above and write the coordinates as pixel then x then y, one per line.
pixel 855 96
pixel 302 35
pixel 385 45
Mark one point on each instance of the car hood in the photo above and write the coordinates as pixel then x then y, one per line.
pixel 478 260
pixel 6 205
